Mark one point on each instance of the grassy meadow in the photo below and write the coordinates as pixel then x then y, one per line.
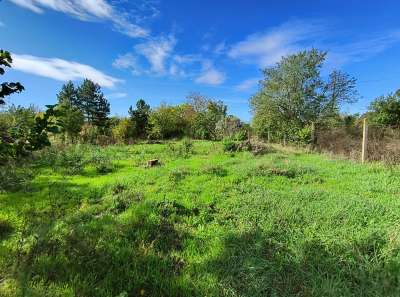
pixel 96 222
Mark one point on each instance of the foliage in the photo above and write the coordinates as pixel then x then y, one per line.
pixel 229 145
pixel 7 88
pixel 168 122
pixel 385 110
pixel 13 177
pixel 89 134
pixel 70 119
pixel 293 95
pixel 231 127
pixel 139 118
pixel 71 161
pixel 24 130
pixel 102 163
pixel 209 225
pixel 184 149
pixel 208 113
pixel 122 131
pixel 91 101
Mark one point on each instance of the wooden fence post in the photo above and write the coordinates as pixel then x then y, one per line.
pixel 313 134
pixel 364 152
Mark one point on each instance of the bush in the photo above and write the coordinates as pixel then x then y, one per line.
pixel 13 178
pixel 182 150
pixel 72 160
pixel 122 131
pixel 230 146
pixel 101 162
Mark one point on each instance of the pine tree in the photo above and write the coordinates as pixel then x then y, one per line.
pixel 68 93
pixel 140 118
pixel 92 103
pixel 102 110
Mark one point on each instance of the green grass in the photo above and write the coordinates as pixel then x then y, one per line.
pixel 204 224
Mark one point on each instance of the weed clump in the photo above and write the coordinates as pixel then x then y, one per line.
pixel 183 149
pixel 13 178
pixel 255 147
pixel 215 170
pixel 71 161
pixel 176 175
pixel 102 163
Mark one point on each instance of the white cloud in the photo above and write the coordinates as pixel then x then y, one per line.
pixel 154 57
pixel 61 70
pixel 210 75
pixel 87 10
pixel 247 84
pixel 265 49
pixel 128 61
pixel 362 49
pixel 157 51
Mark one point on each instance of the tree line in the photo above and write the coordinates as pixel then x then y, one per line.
pixel 292 98
pixel 82 115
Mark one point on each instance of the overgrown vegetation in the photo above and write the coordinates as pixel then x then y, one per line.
pixel 285 223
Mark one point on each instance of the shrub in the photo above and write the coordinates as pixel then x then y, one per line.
pixel 229 146
pixel 178 174
pixel 122 131
pixel 72 160
pixel 13 178
pixel 186 148
pixel 101 162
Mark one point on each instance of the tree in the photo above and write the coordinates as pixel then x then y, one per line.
pixel 208 113
pixel 7 88
pixel 385 110
pixel 91 101
pixel 231 127
pixel 168 121
pixel 122 131
pixel 139 118
pixel 68 93
pixel 340 88
pixel 293 95
pixel 70 119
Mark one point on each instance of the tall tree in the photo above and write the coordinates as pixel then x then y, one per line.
pixel 7 88
pixel 91 101
pixel 140 118
pixel 293 94
pixel 68 93
pixel 70 119
pixel 208 112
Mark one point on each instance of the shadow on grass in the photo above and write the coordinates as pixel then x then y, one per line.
pixel 261 264
pixel 94 252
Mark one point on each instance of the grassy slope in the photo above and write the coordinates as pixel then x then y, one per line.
pixel 213 224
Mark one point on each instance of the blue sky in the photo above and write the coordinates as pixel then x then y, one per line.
pixel 162 50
